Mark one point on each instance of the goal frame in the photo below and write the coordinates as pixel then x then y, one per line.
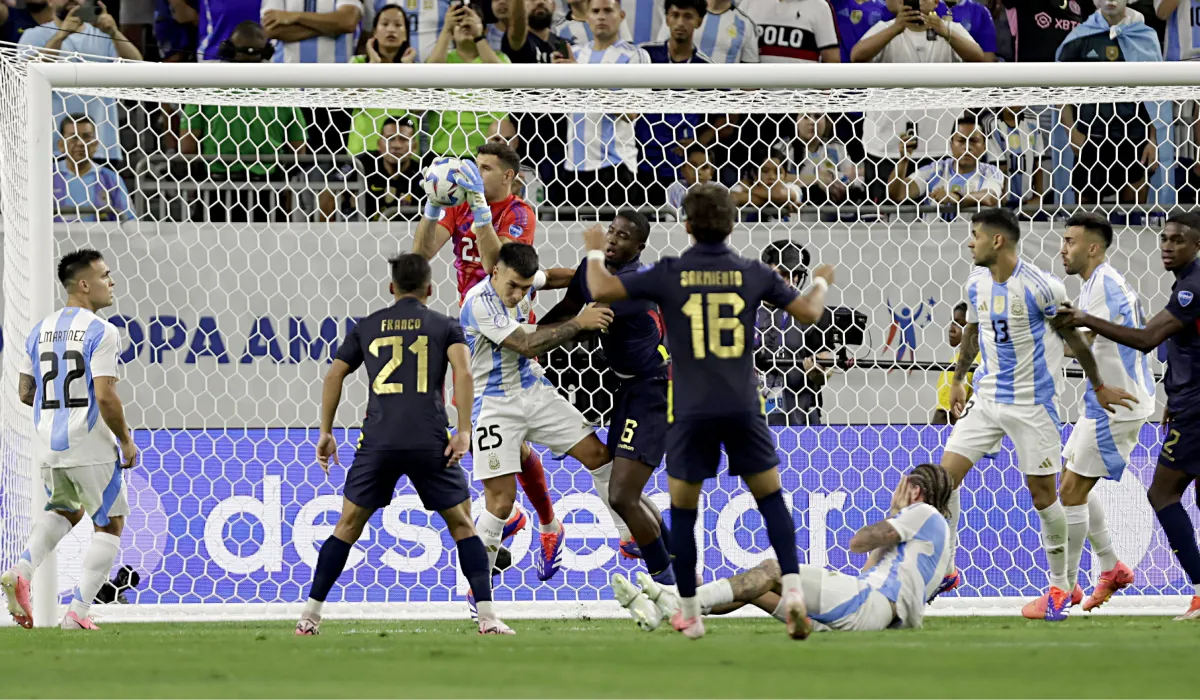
pixel 43 78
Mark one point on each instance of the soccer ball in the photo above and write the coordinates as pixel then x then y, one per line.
pixel 439 187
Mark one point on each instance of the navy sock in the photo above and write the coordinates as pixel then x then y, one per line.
pixel 1182 538
pixel 683 546
pixel 473 558
pixel 781 530
pixel 330 562
pixel 658 561
pixel 664 532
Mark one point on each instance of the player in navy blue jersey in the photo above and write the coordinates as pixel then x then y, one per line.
pixel 406 348
pixel 709 297
pixel 638 423
pixel 1179 326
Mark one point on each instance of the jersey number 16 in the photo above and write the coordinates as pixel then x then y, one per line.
pixel 707 327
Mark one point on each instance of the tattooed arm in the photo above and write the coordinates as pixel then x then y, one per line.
pixel 546 337
pixel 876 536
pixel 27 389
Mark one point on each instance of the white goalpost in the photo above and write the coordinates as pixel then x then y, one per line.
pixel 228 323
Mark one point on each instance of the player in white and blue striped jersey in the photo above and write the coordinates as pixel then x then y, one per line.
pixel 1100 444
pixel 69 375
pixel 1011 322
pixel 910 554
pixel 514 402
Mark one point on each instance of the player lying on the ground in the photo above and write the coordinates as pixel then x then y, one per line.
pixel 638 422
pixel 709 298
pixel 69 376
pixel 1100 445
pixel 1011 322
pixel 406 348
pixel 1179 326
pixel 909 555
pixel 495 209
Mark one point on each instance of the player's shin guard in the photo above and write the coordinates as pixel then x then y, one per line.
pixel 602 476
pixel 533 482
pixel 331 560
pixel 1098 534
pixel 49 527
pixel 683 546
pixel 491 530
pixel 1077 530
pixel 1054 540
pixel 97 564
pixel 1182 538
pixel 473 558
pixel 781 531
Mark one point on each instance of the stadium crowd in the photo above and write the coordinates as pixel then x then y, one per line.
pixel 365 164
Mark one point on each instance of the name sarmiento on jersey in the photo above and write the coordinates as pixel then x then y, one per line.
pixel 710 278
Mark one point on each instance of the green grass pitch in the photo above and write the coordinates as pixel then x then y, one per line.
pixel 748 657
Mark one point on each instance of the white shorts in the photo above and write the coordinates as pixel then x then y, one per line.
pixel 99 489
pixel 1034 431
pixel 539 414
pixel 1100 448
pixel 842 602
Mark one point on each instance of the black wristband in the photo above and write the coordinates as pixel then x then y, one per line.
pixel 481 37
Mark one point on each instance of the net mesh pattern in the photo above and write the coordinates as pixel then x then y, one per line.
pixel 247 230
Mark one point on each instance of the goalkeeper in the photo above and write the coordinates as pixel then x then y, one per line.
pixel 910 554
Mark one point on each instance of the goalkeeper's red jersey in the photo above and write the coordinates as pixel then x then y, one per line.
pixel 513 220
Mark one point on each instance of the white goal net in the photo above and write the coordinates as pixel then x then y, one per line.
pixel 247 212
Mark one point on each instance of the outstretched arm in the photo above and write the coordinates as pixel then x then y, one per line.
pixel 809 307
pixel 1157 330
pixel 547 336
pixel 1108 397
pixel 430 236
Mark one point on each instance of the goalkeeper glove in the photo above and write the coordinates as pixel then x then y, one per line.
pixel 471 180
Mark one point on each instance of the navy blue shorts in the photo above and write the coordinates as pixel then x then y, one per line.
pixel 638 426
pixel 1181 445
pixel 371 481
pixel 694 446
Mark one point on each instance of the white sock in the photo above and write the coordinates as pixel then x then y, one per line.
pixel 490 529
pixel 713 594
pixel 1098 534
pixel 484 608
pixel 549 527
pixel 780 614
pixel 97 565
pixel 790 583
pixel 955 508
pixel 601 476
pixel 1077 529
pixel 689 608
pixel 49 527
pixel 1054 540
pixel 312 608
pixel 1196 589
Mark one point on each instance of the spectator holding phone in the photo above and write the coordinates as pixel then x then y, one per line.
pixel 916 35
pixel 961 178
pixel 527 35
pixel 463 40
pixel 70 31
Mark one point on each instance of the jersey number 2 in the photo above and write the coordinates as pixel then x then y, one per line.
pixel 420 348
pixel 707 328
pixel 74 357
